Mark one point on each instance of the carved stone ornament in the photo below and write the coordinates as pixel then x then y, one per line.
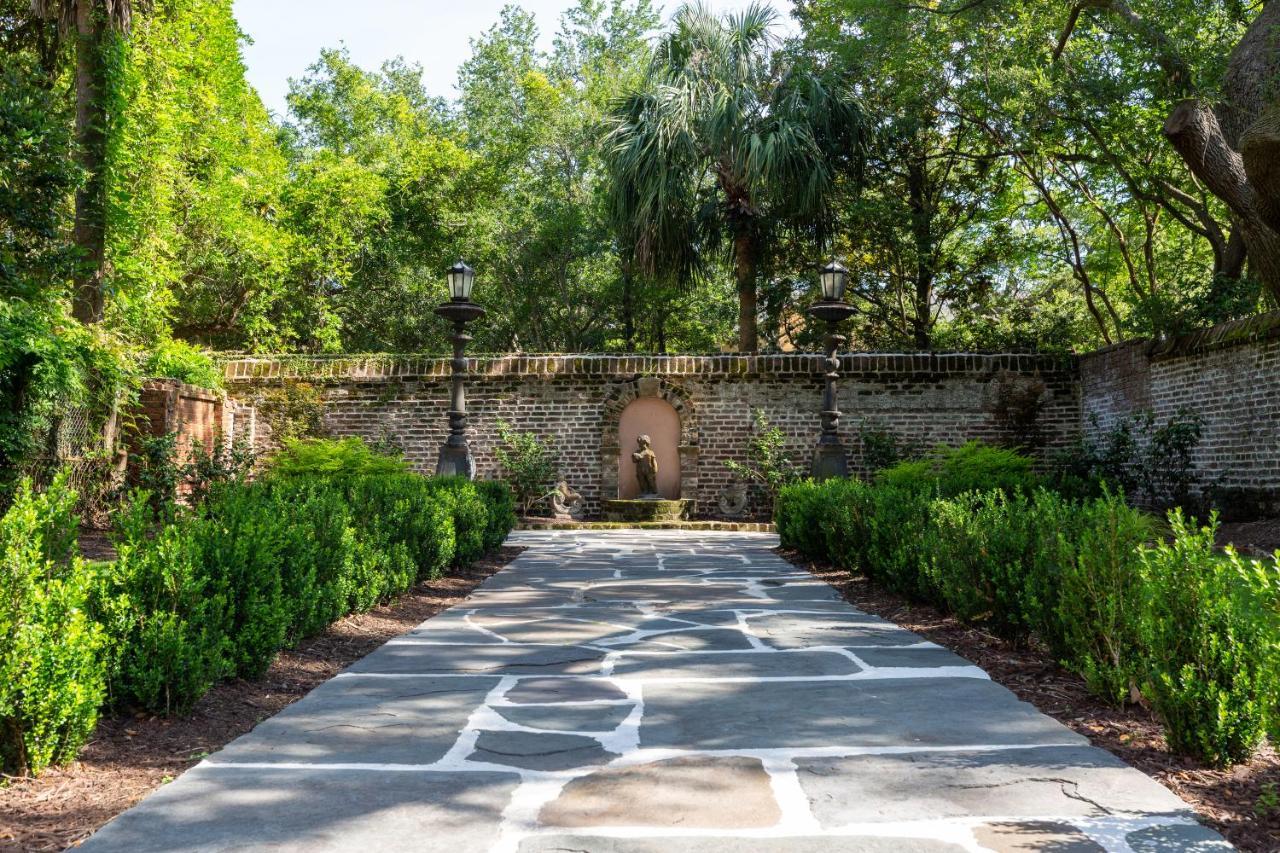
pixel 566 503
pixel 732 501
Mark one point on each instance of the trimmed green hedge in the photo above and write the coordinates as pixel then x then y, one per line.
pixel 203 594
pixel 52 676
pixel 261 565
pixel 1195 630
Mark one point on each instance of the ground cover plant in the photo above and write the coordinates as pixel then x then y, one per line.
pixel 1141 613
pixel 215 589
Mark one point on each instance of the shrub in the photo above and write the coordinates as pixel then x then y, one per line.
pixel 768 465
pixel 1209 646
pixel 167 616
pixel 1138 456
pixel 323 457
pixel 243 537
pixel 971 467
pixel 527 464
pixel 470 516
pixel 982 549
pixel 882 449
pixel 501 503
pixel 52 676
pixel 1087 591
pixel 175 359
pixel 894 549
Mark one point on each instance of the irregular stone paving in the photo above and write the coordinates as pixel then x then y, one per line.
pixel 650 692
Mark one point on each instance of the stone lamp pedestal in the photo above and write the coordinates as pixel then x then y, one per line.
pixel 829 458
pixel 455 454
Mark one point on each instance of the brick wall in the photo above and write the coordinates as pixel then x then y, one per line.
pixel 573 401
pixel 194 414
pixel 1229 375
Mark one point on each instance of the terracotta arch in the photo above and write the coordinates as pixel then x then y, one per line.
pixel 621 395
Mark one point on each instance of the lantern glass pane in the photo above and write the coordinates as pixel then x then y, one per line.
pixel 461 280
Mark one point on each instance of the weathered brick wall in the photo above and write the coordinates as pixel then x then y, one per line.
pixel 573 401
pixel 1229 375
pixel 193 414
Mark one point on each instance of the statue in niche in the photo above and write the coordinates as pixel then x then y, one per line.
pixel 646 469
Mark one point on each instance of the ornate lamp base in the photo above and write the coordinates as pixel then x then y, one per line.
pixel 829 461
pixel 456 462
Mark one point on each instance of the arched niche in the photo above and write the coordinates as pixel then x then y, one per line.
pixel 658 419
pixel 617 399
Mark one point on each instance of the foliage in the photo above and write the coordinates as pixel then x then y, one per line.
pixel 52 675
pixel 724 143
pixel 218 590
pixel 167 616
pixel 1209 643
pixel 176 359
pixel 169 474
pixel 1139 456
pixel 527 464
pixel 1195 630
pixel 769 465
pixel 1086 592
pixel 882 449
pixel 973 466
pixel 324 457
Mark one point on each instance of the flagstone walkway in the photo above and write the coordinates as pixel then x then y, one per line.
pixel 658 692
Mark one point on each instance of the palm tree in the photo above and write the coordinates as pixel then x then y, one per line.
pixel 89 22
pixel 726 137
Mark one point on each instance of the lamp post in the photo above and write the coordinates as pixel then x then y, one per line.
pixel 455 455
pixel 828 457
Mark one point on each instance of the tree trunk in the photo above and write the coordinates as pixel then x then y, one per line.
pixel 744 268
pixel 1196 134
pixel 628 307
pixel 88 233
pixel 1212 139
pixel 1260 150
pixel 922 236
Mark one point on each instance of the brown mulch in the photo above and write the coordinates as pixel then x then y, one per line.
pixel 1242 803
pixel 1252 538
pixel 129 757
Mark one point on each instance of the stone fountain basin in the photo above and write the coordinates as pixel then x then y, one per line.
pixel 641 510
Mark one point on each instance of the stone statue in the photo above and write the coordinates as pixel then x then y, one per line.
pixel 566 502
pixel 646 469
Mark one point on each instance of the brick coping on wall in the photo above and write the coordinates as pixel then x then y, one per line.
pixel 1234 333
pixel 391 367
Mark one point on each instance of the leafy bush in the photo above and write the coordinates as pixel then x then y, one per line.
pixel 176 359
pixel 501 503
pixel 1087 592
pixel 470 516
pixel 1197 630
pixel 971 467
pixel 1138 456
pixel 219 589
pixel 52 676
pixel 983 547
pixel 168 617
pixel 882 449
pixel 527 464
pixel 324 457
pixel 1209 646
pixel 768 465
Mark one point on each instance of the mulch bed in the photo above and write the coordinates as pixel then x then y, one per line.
pixel 1252 538
pixel 131 756
pixel 1242 803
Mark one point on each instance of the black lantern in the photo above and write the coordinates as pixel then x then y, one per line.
pixel 834 278
pixel 461 279
pixel 829 458
pixel 455 454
